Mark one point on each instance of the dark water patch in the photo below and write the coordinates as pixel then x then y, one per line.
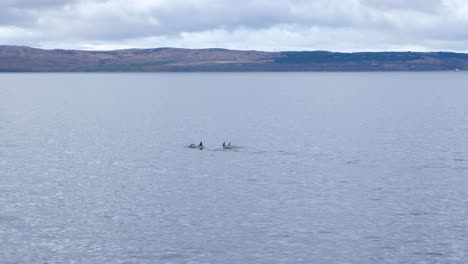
pixel 291 183
pixel 287 152
pixel 373 238
pixel 418 214
pixel 260 152
pixel 429 254
pixel 415 241
pixel 8 145
pixel 328 232
pixel 172 256
pixel 9 218
pixel 460 168
pixel 434 166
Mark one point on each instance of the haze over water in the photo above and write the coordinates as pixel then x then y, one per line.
pixel 333 168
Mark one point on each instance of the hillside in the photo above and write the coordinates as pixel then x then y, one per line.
pixel 25 59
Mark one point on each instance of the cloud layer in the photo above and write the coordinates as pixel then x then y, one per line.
pixel 337 25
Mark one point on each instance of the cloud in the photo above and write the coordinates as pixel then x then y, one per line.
pixel 422 6
pixel 29 4
pixel 342 25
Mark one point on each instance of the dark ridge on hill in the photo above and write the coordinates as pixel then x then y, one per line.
pixel 26 59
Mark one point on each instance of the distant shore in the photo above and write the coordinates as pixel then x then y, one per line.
pixel 26 59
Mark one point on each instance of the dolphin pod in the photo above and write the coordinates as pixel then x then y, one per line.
pixel 201 147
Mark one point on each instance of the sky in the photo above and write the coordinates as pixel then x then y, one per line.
pixel 270 25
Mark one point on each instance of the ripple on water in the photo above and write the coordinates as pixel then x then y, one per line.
pixel 287 152
pixel 461 168
pixel 429 254
pixel 8 145
pixel 5 219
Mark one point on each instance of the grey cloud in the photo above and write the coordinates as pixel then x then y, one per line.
pixel 33 3
pixel 299 24
pixel 25 12
pixel 425 6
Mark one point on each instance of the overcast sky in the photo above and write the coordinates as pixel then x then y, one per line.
pixel 336 25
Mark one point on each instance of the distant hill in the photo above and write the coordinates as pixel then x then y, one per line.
pixel 25 59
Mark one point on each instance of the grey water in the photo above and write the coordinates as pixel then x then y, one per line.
pixel 331 168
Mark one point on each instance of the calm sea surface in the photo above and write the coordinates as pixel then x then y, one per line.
pixel 360 168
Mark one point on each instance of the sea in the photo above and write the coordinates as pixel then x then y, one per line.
pixel 355 168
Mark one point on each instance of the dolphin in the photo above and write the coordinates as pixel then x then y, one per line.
pixel 228 146
pixel 194 146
